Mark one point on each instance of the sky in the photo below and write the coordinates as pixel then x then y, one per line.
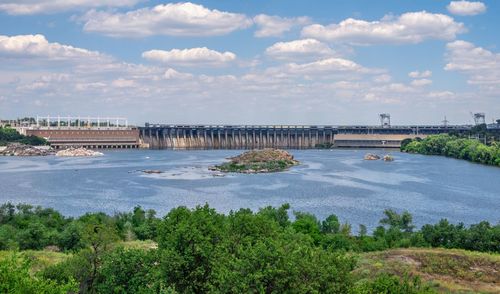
pixel 251 61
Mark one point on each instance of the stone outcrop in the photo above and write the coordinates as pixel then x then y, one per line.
pixel 388 158
pixel 17 149
pixel 371 156
pixel 152 171
pixel 258 161
pixel 77 152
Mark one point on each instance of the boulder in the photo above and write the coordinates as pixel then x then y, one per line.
pixel 371 156
pixel 388 158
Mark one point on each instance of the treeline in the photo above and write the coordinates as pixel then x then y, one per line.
pixel 456 147
pixel 24 227
pixel 200 250
pixel 10 135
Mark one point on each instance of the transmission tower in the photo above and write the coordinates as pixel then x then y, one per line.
pixel 385 120
pixel 479 118
pixel 445 121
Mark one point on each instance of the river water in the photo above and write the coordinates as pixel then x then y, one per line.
pixel 327 182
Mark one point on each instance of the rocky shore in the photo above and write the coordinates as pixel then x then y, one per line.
pixel 17 149
pixel 258 161
pixel 77 152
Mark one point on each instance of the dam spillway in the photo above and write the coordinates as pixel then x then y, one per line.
pixel 235 137
pixel 162 136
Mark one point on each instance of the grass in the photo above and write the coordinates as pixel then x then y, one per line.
pixel 447 270
pixel 39 259
pixel 268 166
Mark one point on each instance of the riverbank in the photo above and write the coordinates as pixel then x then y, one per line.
pixel 455 147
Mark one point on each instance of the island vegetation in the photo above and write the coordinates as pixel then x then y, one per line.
pixel 9 135
pixel 200 250
pixel 258 161
pixel 456 147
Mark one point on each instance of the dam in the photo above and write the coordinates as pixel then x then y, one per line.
pixel 164 136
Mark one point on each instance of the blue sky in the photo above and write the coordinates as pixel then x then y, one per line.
pixel 251 62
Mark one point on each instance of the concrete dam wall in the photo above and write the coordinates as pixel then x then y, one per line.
pixel 229 137
pixel 158 136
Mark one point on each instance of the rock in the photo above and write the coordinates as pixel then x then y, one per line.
pixel 258 161
pixel 388 158
pixel 17 149
pixel 371 156
pixel 77 152
pixel 152 171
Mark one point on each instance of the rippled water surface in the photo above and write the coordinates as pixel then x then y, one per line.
pixel 327 181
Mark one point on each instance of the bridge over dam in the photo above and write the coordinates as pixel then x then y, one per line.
pixel 163 136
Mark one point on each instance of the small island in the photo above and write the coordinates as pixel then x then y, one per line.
pixel 258 161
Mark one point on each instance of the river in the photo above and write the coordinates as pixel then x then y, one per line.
pixel 327 182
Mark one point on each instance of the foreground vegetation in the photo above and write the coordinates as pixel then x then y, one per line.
pixel 10 135
pixel 445 270
pixel 199 250
pixel 258 161
pixel 456 147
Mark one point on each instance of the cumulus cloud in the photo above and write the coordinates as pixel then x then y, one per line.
pixel 191 57
pixel 305 91
pixel 441 95
pixel 306 48
pixel 466 7
pixel 33 46
pixel 173 19
pixel 172 74
pixel 328 65
pixel 419 75
pixel 123 83
pixel 421 82
pixel 275 26
pixel 480 65
pixel 21 7
pixel 412 27
pixel 384 78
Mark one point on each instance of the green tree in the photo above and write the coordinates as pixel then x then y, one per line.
pixel 331 224
pixel 187 242
pixel 15 278
pixel 130 271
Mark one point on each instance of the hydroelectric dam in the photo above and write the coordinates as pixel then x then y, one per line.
pixel 164 136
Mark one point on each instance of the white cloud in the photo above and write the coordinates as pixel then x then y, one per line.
pixel 308 92
pixel 480 65
pixel 421 82
pixel 172 74
pixel 412 27
pixel 123 83
pixel 385 78
pixel 306 48
pixel 441 95
pixel 173 19
pixel 328 65
pixel 20 7
pixel 275 26
pixel 191 57
pixel 466 7
pixel 37 46
pixel 419 75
